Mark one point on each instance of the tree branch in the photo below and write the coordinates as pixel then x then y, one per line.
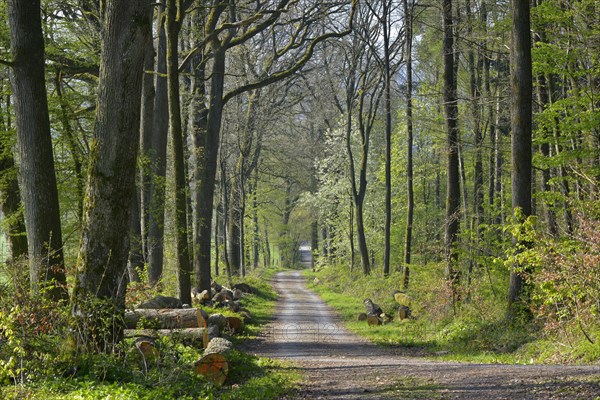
pixel 278 76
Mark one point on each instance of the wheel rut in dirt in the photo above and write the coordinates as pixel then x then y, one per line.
pixel 337 364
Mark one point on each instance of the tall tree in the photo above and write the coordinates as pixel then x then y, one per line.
pixel 13 223
pixel 452 224
pixel 173 24
pixel 410 207
pixel 104 249
pixel 521 120
pixel 155 204
pixel 225 29
pixel 36 159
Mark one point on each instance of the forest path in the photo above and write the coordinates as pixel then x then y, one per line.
pixel 337 364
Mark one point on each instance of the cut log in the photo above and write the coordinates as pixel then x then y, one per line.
pixel 244 287
pixel 232 305
pixel 218 320
pixel 165 318
pixel 146 346
pixel 159 302
pixel 213 365
pixel 200 297
pixel 224 294
pixel 386 318
pixel 213 331
pixel 373 320
pixel 362 317
pixel 234 325
pixel 403 312
pixel 372 308
pixel 402 299
pixel 237 294
pixel 215 286
pixel 218 345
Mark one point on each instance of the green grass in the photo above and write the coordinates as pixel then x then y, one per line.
pixel 168 376
pixel 478 333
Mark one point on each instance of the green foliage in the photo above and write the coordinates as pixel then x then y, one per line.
pixel 480 330
pixel 567 295
pixel 32 329
pixel 37 362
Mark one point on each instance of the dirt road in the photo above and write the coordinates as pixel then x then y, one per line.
pixel 340 365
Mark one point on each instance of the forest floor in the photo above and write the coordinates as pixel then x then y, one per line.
pixel 337 364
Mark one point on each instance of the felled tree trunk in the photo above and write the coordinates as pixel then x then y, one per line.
pixel 166 318
pixel 200 336
pixel 213 365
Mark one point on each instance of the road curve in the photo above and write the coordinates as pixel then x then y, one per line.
pixel 338 364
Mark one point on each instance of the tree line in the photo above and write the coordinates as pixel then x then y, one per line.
pixel 172 141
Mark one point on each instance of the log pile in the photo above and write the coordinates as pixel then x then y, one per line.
pixel 164 316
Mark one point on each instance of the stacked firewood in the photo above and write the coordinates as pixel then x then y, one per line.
pixel 166 316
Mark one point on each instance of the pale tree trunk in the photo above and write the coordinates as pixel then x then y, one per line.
pixel 521 124
pixel 146 126
pixel 158 161
pixel 36 161
pixel 10 196
pixel 102 260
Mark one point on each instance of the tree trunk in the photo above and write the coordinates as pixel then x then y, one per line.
pixel 102 261
pixel 452 224
pixel 255 232
pixel 521 121
pixel 10 202
pixel 135 262
pixel 166 318
pixel 387 78
pixel 475 93
pixel 172 25
pixel 206 182
pixel 146 128
pixel 10 196
pixel 409 150
pixel 234 230
pixel 158 161
pixel 36 161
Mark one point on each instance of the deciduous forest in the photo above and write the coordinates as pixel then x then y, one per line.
pixel 445 149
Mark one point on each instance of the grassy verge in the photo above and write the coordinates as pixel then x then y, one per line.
pixel 477 331
pixel 169 375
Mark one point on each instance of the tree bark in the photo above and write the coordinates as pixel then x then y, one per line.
pixel 146 128
pixel 158 161
pixel 172 25
pixel 521 124
pixel 102 260
pixel 409 150
pixel 387 80
pixel 36 161
pixel 452 224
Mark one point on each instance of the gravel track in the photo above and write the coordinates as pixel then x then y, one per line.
pixel 337 364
